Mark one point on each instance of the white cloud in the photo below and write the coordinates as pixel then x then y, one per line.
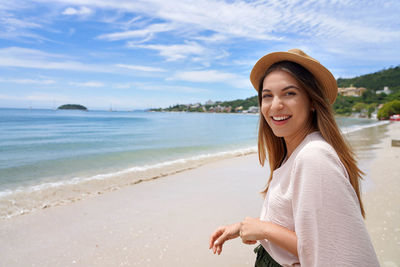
pixel 174 52
pixel 140 68
pixel 88 84
pixel 13 23
pixel 262 20
pixel 211 76
pixel 168 88
pixel 81 11
pixel 214 38
pixel 27 81
pixel 146 33
pixel 36 59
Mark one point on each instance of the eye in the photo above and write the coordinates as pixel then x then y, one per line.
pixel 266 95
pixel 290 93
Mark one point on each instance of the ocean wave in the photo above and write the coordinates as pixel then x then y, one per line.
pixel 24 200
pixel 359 127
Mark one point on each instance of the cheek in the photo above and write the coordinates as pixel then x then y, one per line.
pixel 264 111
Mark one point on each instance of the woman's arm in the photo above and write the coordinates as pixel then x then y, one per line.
pixel 252 229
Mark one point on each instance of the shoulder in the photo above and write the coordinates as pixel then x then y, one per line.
pixel 317 158
pixel 317 150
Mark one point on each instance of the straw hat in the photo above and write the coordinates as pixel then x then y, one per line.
pixel 322 74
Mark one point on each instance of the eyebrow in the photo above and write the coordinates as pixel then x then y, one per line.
pixel 286 88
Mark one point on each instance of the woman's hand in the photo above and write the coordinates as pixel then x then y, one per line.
pixel 222 234
pixel 252 229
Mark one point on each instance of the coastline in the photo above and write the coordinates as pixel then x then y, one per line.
pixel 168 221
pixel 164 222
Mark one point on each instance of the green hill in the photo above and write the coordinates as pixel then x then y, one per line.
pixel 245 103
pixel 369 101
pixel 364 105
pixel 375 81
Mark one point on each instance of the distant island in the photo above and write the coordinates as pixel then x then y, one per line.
pixel 72 106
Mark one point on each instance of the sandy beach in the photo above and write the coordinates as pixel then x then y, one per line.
pixel 382 201
pixel 167 222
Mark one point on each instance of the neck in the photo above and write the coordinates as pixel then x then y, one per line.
pixel 294 141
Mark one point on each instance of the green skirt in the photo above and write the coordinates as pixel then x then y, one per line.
pixel 264 259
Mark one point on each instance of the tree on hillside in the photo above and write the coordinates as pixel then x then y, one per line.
pixel 389 109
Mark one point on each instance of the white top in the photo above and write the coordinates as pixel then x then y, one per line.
pixel 311 194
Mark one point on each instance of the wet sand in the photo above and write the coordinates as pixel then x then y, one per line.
pixel 167 222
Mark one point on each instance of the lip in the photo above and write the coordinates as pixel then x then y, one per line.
pixel 282 121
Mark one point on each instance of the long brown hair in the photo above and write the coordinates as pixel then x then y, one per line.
pixel 322 120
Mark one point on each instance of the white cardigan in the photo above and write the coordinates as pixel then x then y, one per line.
pixel 311 194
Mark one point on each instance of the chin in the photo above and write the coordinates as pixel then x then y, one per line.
pixel 278 133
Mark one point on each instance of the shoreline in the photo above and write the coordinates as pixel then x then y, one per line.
pixel 27 199
pixel 22 201
pixel 168 221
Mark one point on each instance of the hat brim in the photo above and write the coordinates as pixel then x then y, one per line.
pixel 322 74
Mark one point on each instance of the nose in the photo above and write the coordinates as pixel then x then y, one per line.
pixel 276 103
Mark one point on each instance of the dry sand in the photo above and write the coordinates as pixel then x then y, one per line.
pixel 167 222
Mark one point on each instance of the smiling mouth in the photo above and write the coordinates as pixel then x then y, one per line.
pixel 281 118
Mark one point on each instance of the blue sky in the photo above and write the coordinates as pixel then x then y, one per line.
pixel 156 53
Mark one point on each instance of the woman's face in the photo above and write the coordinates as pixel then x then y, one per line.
pixel 285 105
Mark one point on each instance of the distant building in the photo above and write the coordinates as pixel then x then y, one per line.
pixel 385 90
pixel 351 91
pixel 239 109
pixel 210 102
pixel 253 109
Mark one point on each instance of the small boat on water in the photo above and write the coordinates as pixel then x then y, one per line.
pixel 395 117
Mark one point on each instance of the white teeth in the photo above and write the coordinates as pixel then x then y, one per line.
pixel 280 118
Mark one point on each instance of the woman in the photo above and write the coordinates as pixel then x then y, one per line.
pixel 312 214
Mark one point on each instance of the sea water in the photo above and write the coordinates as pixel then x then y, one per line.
pixel 52 157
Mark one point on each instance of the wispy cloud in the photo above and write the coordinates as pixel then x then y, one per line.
pixel 27 81
pixel 145 33
pixel 211 76
pixel 168 88
pixel 140 68
pixel 36 59
pixel 174 52
pixel 263 20
pixel 82 11
pixel 88 84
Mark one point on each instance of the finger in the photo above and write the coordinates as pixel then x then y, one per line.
pixel 219 243
pixel 219 250
pixel 214 236
pixel 221 240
